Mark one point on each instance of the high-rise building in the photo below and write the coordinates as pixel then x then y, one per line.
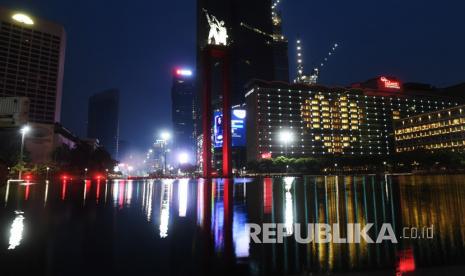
pixel 309 120
pixel 103 120
pixel 182 100
pixel 32 55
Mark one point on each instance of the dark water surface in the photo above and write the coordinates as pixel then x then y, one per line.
pixel 197 227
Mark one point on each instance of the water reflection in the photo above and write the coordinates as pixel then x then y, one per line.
pixel 206 219
pixel 183 193
pixel 165 201
pixel 16 231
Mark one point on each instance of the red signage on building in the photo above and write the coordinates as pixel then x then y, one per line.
pixel 390 84
pixel 267 155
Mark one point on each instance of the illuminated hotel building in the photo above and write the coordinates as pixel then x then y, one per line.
pixel 32 53
pixel 356 121
pixel 434 131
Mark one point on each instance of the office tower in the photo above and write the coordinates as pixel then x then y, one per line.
pixel 103 120
pixel 32 54
pixel 182 100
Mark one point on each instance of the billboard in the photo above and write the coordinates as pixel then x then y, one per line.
pixel 237 128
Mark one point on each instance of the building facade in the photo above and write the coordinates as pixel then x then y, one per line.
pixel 182 100
pixel 14 111
pixel 434 131
pixel 322 121
pixel 32 55
pixel 103 120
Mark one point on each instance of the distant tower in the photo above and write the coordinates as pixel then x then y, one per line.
pixel 182 103
pixel 103 120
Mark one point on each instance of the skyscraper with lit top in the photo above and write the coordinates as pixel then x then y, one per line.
pixel 182 99
pixel 32 54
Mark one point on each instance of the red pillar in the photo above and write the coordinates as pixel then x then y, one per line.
pixel 221 53
pixel 227 140
pixel 206 115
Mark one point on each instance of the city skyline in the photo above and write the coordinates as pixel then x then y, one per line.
pixel 412 48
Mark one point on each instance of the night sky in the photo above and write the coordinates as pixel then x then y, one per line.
pixel 134 45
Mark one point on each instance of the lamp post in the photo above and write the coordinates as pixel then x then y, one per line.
pixel 165 136
pixel 85 173
pixel 24 131
pixel 286 137
pixel 46 176
pixel 183 159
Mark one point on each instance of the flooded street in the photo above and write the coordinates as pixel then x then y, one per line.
pixel 198 227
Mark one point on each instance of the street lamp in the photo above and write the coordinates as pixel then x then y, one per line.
pixel 286 137
pixel 24 130
pixel 48 169
pixel 85 173
pixel 183 158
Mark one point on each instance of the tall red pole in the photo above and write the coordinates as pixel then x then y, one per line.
pixel 206 114
pixel 227 142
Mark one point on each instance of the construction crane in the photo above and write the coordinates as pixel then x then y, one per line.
pixel 311 78
pixel 276 19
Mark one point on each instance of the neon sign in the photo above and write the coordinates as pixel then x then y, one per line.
pixel 266 155
pixel 390 83
pixel 184 72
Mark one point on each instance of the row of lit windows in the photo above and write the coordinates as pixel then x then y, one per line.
pixel 430 133
pixel 435 146
pixel 454 122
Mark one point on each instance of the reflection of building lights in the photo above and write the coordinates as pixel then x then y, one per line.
pixel 16 231
pixel 129 192
pixel 115 192
pixel 183 192
pixel 241 235
pixel 200 201
pixel 289 210
pixel 147 200
pixel 165 207
pixel 46 192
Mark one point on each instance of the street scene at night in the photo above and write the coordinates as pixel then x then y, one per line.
pixel 232 137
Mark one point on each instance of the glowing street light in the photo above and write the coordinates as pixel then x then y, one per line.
pixel 183 158
pixel 286 137
pixel 24 130
pixel 165 136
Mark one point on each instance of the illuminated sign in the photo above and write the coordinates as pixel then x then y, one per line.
pixel 237 128
pixel 266 155
pixel 390 83
pixel 184 72
pixel 22 18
